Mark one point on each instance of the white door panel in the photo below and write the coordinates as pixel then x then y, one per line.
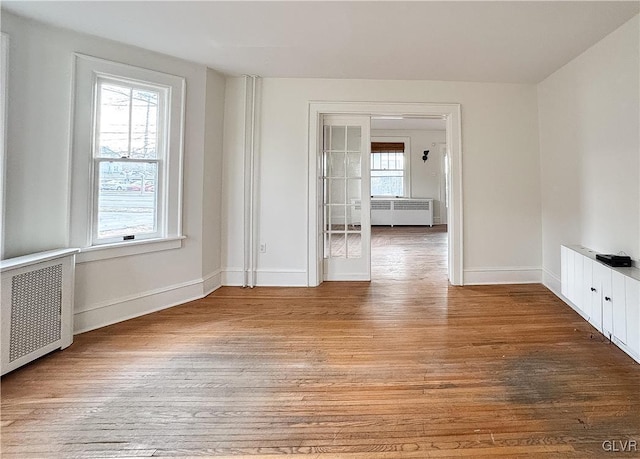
pixel 346 198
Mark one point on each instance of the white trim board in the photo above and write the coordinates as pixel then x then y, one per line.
pixel 91 317
pixel 553 283
pixel 266 278
pixel 452 115
pixel 211 282
pixel 503 275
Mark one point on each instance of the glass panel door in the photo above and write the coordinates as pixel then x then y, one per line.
pixel 346 198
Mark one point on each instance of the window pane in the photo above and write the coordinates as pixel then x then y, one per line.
pixel 144 124
pixel 354 245
pixel 127 197
pixel 338 134
pixel 354 138
pixel 113 131
pixel 337 191
pixel 387 186
pixel 375 161
pixel 354 191
pixel 354 165
pixel 336 164
pixel 387 174
pixel 353 217
pixel 338 218
pixel 338 245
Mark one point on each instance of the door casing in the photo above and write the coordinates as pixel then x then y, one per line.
pixel 449 112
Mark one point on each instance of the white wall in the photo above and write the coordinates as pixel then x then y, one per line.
pixel 500 172
pixel 590 151
pixel 426 177
pixel 212 198
pixel 38 182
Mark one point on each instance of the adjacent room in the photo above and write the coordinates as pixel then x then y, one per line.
pixel 408 197
pixel 343 229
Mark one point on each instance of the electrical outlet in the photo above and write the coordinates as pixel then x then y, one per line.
pixel 263 248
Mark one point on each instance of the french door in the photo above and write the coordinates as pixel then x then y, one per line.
pixel 346 199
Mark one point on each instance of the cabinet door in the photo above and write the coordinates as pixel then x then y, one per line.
pixel 587 285
pixel 618 306
pixel 632 306
pixel 578 267
pixel 571 284
pixel 564 276
pixel 600 273
pixel 604 276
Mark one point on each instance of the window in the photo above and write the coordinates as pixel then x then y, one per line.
pixel 388 169
pixel 127 154
pixel 128 157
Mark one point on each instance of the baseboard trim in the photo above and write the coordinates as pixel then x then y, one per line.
pixel 211 282
pixel 122 309
pixel 267 278
pixel 507 275
pixel 281 278
pixel 118 310
pixel 232 277
pixel 552 282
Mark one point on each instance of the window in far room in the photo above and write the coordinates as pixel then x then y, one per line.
pixel 388 169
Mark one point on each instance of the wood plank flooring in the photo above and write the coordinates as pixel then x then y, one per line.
pixel 404 366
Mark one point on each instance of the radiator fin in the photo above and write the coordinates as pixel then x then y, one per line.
pixel 380 205
pixel 36 304
pixel 411 205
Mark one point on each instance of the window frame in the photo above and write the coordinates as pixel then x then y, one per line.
pixel 4 90
pixel 160 162
pixel 88 72
pixel 407 163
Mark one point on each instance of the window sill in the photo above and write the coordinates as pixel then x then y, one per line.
pixel 125 249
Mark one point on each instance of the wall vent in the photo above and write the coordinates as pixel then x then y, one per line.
pixel 37 306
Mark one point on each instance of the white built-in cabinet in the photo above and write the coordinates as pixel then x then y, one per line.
pixel 609 298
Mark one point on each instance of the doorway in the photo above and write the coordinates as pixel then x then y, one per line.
pixel 450 113
pixel 408 199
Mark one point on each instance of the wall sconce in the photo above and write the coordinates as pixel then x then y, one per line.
pixel 425 155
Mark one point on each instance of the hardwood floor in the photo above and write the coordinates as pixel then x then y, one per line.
pixel 404 366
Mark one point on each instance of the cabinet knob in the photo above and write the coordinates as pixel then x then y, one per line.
pixel 606 298
pixel 593 289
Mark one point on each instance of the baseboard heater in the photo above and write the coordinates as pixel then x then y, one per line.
pixel 401 211
pixel 37 306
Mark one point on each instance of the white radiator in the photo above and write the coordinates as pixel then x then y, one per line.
pixel 401 211
pixel 37 306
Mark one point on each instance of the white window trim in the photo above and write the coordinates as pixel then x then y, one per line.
pixel 4 75
pixel 86 70
pixel 407 159
pixel 125 249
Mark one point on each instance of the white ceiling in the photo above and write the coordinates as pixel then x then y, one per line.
pixel 513 42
